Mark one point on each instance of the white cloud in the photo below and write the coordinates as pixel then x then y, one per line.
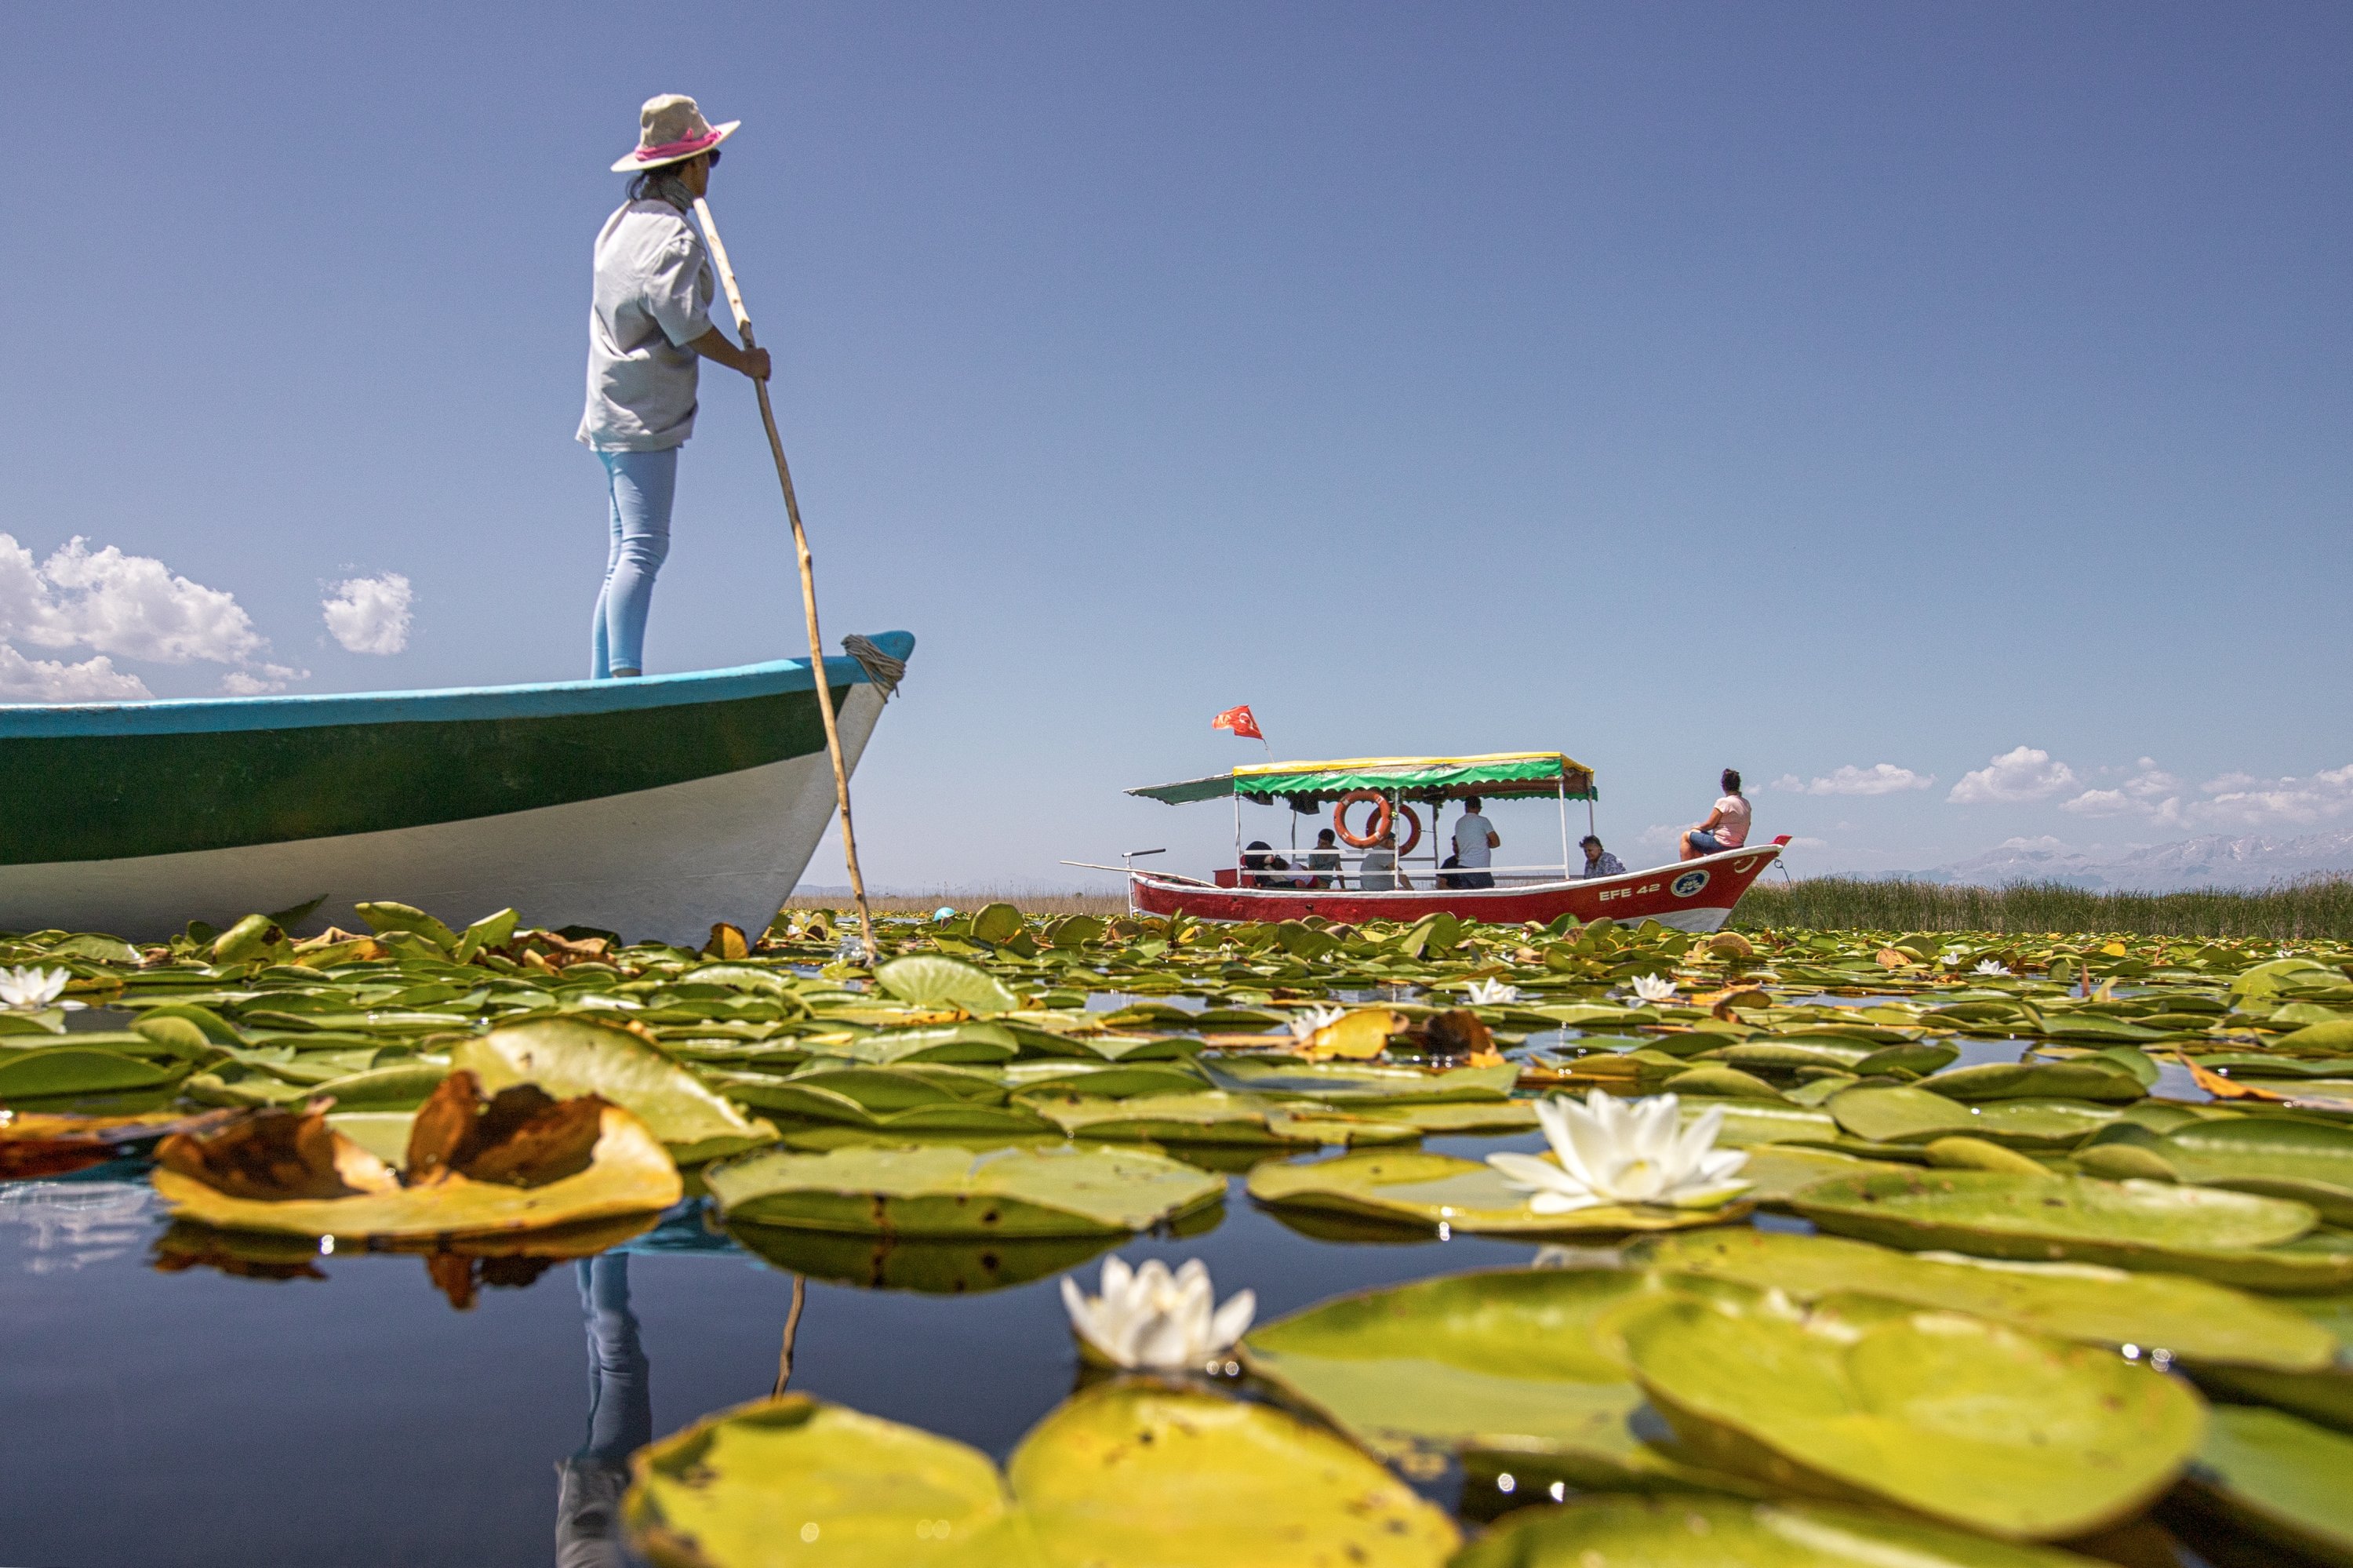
pixel 1879 778
pixel 369 615
pixel 1807 843
pixel 2233 801
pixel 249 683
pixel 1660 834
pixel 2027 773
pixel 47 681
pixel 118 605
pixel 2044 843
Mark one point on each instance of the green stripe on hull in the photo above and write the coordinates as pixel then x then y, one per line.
pixel 110 797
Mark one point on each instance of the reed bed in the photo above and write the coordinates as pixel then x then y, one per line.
pixel 2305 909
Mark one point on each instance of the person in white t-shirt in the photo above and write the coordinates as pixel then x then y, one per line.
pixel 1378 871
pixel 1726 827
pixel 1475 841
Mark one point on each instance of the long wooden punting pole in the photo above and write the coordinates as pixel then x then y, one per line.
pixel 809 580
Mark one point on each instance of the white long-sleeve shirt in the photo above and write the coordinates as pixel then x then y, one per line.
pixel 653 293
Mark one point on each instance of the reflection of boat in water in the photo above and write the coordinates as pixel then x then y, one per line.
pixel 651 807
pixel 1689 895
pixel 62 1226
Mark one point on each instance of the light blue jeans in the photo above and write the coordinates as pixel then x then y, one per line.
pixel 641 485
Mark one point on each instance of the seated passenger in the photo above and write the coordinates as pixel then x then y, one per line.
pixel 1600 862
pixel 1447 869
pixel 1260 859
pixel 1726 827
pixel 1324 858
pixel 1377 874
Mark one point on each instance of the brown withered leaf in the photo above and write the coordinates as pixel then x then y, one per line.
pixel 1457 1032
pixel 453 1276
pixel 522 1138
pixel 529 1140
pixel 444 1135
pixel 462 1276
pixel 271 1154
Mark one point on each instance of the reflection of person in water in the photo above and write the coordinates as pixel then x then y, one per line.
pixel 620 1420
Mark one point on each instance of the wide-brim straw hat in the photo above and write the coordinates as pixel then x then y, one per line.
pixel 671 129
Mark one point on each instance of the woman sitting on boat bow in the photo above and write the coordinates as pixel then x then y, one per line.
pixel 1726 827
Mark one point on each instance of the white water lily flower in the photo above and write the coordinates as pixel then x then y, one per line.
pixel 1624 1151
pixel 1304 1025
pixel 1951 958
pixel 1155 1320
pixel 1491 993
pixel 1651 988
pixel 1989 966
pixel 29 991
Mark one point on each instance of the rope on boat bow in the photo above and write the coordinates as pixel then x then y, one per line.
pixel 885 672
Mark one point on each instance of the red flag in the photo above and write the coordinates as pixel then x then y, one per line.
pixel 1239 721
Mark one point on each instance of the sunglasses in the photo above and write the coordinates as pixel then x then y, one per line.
pixel 714 156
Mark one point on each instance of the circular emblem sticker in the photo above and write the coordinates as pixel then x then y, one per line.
pixel 1688 883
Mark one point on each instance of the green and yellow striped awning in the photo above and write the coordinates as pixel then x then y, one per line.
pixel 1496 774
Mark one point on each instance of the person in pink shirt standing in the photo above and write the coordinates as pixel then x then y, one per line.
pixel 1726 827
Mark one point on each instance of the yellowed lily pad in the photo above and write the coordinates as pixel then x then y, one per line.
pixel 1126 1473
pixel 1952 1417
pixel 947 1191
pixel 1689 1532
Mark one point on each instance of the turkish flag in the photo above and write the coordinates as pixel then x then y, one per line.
pixel 1239 721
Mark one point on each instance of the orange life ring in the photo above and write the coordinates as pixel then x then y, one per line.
pixel 1413 837
pixel 1380 822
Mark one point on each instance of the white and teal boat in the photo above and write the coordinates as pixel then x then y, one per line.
pixel 653 807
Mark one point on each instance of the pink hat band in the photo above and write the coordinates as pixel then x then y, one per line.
pixel 678 149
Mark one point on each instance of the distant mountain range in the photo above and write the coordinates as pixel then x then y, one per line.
pixel 2213 861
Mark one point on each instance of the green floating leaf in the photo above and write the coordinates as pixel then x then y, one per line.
pixel 1200 1117
pixel 956 1043
pixel 2236 1237
pixel 928 1267
pixel 928 981
pixel 1509 1365
pixel 948 1192
pixel 1106 1080
pixel 1427 1192
pixel 1689 1532
pixel 2087 1078
pixel 1952 1417
pixel 1128 1472
pixel 36 1072
pixel 491 931
pixel 572 1055
pixel 884 1098
pixel 385 917
pixel 2281 1157
pixel 996 923
pixel 2188 1318
pixel 2279 1478
pixel 1901 1114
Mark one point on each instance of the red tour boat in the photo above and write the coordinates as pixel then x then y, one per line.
pixel 1689 895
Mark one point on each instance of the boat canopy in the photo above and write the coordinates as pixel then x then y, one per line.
pixel 1498 774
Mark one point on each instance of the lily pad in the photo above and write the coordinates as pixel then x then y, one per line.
pixel 928 981
pixel 572 1055
pixel 2188 1318
pixel 1952 1417
pixel 1430 1191
pixel 953 1192
pixel 1899 1114
pixel 1507 1363
pixel 1689 1532
pixel 2282 1157
pixel 627 1174
pixel 2281 1479
pixel 41 1072
pixel 2234 1237
pixel 2087 1078
pixel 966 1043
pixel 928 1267
pixel 1128 1472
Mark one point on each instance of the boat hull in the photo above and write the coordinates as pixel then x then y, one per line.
pixel 1692 895
pixel 654 811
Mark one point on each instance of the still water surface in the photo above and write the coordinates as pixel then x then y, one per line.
pixel 198 1419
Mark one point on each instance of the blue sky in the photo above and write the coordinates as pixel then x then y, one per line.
pixel 1801 387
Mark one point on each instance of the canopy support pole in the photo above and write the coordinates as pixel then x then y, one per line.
pixel 1563 825
pixel 1238 838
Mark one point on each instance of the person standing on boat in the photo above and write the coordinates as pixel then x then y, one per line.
pixel 1598 862
pixel 1475 840
pixel 1726 827
pixel 648 329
